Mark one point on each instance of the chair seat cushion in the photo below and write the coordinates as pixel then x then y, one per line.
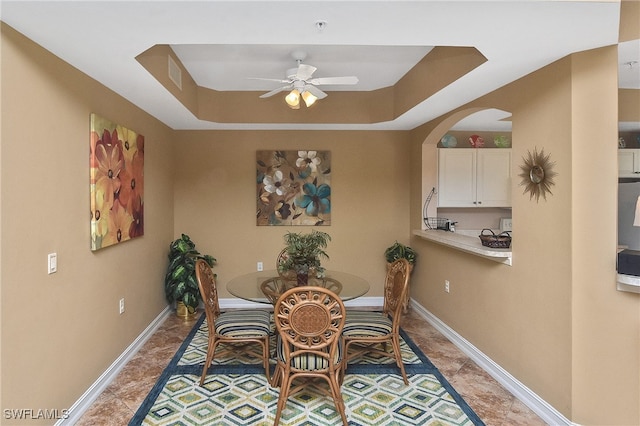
pixel 308 361
pixel 366 324
pixel 244 323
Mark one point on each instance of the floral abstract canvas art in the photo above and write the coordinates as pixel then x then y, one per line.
pixel 293 188
pixel 117 183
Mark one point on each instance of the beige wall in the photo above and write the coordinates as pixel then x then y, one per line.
pixel 629 105
pixel 602 319
pixel 60 332
pixel 215 198
pixel 554 319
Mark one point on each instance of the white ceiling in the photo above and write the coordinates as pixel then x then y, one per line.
pixel 231 67
pixel 222 43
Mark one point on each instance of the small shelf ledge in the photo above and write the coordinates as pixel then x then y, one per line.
pixel 467 244
pixel 629 283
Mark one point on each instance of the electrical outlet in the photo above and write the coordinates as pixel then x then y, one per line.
pixel 260 266
pixel 446 286
pixel 52 263
pixel 121 306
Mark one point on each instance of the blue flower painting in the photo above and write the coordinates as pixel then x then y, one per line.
pixel 293 188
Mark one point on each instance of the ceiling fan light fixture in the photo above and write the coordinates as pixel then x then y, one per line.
pixel 309 98
pixel 299 82
pixel 293 99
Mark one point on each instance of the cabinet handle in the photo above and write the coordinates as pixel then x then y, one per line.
pixel 479 202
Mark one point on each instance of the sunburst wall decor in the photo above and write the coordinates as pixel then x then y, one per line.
pixel 537 174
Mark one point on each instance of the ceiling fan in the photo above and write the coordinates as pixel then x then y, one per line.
pixel 301 84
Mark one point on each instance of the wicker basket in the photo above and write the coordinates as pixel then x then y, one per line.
pixel 502 240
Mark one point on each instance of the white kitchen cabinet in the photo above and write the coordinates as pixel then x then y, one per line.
pixel 474 177
pixel 629 163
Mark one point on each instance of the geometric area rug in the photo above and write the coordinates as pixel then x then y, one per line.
pixel 236 392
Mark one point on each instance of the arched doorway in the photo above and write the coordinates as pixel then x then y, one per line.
pixel 494 127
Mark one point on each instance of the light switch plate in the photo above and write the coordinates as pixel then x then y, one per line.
pixel 505 224
pixel 52 263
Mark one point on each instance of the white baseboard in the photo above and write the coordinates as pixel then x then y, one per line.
pixel 81 405
pixel 539 406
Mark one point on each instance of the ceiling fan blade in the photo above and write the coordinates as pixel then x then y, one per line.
pixel 334 80
pixel 276 91
pixel 315 91
pixel 305 71
pixel 269 79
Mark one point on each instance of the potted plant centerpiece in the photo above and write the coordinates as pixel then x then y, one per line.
pixel 180 283
pixel 303 253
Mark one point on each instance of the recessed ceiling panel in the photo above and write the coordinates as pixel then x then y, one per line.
pixel 231 67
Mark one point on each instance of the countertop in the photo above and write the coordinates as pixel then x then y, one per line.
pixel 466 241
pixel 629 283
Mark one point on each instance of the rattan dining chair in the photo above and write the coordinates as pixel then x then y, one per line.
pixel 331 284
pixel 280 259
pixel 309 321
pixel 364 331
pixel 273 288
pixel 243 327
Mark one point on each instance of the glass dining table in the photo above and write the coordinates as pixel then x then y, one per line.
pixel 266 286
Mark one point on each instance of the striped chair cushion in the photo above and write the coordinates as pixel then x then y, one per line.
pixel 309 362
pixel 366 324
pixel 244 323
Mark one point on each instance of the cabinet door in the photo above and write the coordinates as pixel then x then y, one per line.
pixel 457 177
pixel 628 162
pixel 494 178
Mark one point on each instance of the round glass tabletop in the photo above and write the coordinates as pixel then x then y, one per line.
pixel 266 286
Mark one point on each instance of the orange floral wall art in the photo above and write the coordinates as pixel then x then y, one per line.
pixel 117 183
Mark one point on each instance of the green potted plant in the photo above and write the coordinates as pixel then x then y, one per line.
pixel 180 283
pixel 303 253
pixel 400 251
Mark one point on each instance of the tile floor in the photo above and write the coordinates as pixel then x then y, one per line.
pixel 493 404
